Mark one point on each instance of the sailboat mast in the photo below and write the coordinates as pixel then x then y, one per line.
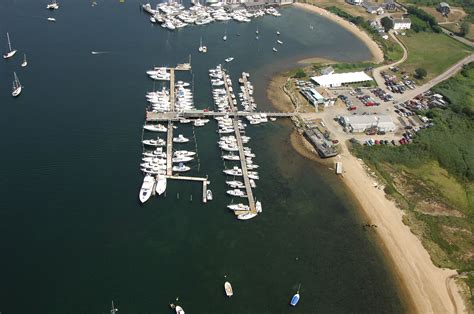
pixel 9 44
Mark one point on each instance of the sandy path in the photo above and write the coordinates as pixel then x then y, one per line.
pixel 377 53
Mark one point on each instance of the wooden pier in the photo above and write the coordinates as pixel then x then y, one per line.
pixel 204 181
pixel 246 91
pixel 169 141
pixel 194 114
pixel 243 162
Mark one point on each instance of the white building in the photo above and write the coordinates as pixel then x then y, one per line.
pixel 360 123
pixel 338 79
pixel 403 23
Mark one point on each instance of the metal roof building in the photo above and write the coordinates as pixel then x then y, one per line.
pixel 338 79
pixel 360 123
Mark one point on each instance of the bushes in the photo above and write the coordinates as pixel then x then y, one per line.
pixel 422 20
pixel 299 73
pixel 387 23
pixel 420 73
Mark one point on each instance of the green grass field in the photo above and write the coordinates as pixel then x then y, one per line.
pixel 433 52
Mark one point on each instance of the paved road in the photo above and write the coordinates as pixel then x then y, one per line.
pixel 447 74
pixel 376 72
pixel 458 38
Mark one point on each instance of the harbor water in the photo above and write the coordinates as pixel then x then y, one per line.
pixel 73 235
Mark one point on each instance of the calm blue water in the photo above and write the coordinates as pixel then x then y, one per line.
pixel 73 235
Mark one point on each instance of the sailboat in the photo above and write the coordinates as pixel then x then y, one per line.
pixel 11 52
pixel 16 89
pixel 256 32
pixel 53 5
pixel 296 298
pixel 24 63
pixel 113 309
pixel 225 34
pixel 202 48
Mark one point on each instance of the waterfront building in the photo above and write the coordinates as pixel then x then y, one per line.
pixel 361 123
pixel 339 79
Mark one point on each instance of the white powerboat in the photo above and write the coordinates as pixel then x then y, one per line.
pixel 238 207
pixel 258 206
pixel 228 289
pixel 280 42
pixel 209 195
pixel 229 59
pixel 231 157
pixel 246 216
pixel 11 52
pixel 236 192
pixel 235 184
pixel 157 142
pixel 160 185
pixel 51 19
pixel 180 139
pixel 181 168
pixel 236 171
pixel 147 188
pixel 53 5
pixel 179 309
pixel 155 127
pixel 274 49
pixel 182 159
pixel 16 89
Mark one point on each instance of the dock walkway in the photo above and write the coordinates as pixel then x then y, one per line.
pixel 169 141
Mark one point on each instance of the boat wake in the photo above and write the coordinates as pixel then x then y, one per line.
pixel 99 52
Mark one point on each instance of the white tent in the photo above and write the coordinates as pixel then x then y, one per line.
pixel 337 79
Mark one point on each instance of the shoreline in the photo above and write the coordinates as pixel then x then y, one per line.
pixel 377 53
pixel 422 286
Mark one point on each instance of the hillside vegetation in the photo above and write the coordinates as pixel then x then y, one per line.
pixel 433 178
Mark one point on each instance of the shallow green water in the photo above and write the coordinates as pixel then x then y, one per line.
pixel 72 233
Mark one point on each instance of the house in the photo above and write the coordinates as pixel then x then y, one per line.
pixel 373 8
pixel 326 71
pixel 401 23
pixel 390 5
pixel 375 24
pixel 444 8
pixel 354 2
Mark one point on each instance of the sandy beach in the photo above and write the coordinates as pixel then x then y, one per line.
pixel 377 53
pixel 426 288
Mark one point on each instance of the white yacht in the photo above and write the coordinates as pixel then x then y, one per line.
pixel 24 63
pixel 16 89
pixel 147 188
pixel 155 127
pixel 181 159
pixel 179 309
pixel 11 52
pixel 235 184
pixel 157 142
pixel 246 216
pixel 180 139
pixel 231 157
pixel 52 6
pixel 160 185
pixel 236 192
pixel 238 207
pixel 236 171
pixel 181 168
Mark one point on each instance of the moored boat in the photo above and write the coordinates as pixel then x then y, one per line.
pixel 147 188
pixel 228 289
pixel 160 185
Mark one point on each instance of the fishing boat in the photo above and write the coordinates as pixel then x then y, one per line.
pixel 11 52
pixel 160 185
pixel 229 59
pixel 228 289
pixel 296 298
pixel 246 216
pixel 16 89
pixel 24 63
pixel 53 5
pixel 147 188
pixel 209 195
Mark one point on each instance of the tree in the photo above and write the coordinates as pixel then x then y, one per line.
pixel 464 29
pixel 300 74
pixel 387 23
pixel 420 73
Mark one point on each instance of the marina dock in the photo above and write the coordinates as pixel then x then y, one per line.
pixel 169 141
pixel 204 181
pixel 195 114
